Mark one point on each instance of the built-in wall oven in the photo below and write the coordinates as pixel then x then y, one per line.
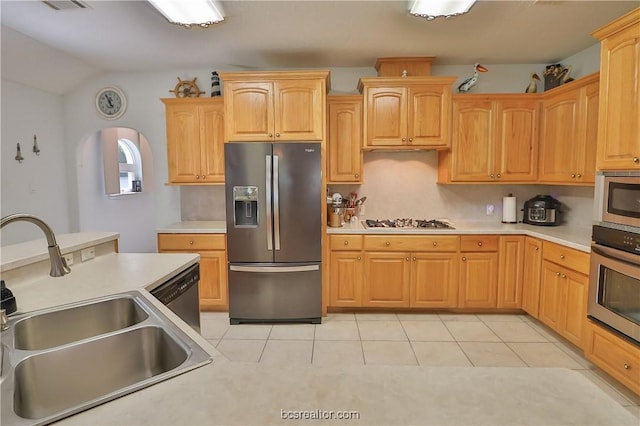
pixel 614 287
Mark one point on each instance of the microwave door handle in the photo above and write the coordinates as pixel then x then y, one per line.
pixel 618 255
pixel 268 202
pixel 276 202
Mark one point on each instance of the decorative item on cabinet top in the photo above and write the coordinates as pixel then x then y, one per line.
pixel 187 89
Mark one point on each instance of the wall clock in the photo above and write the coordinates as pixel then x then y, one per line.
pixel 111 103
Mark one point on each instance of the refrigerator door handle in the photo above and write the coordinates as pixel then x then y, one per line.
pixel 268 201
pixel 274 269
pixel 276 202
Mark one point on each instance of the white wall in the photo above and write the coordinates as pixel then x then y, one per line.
pixel 39 185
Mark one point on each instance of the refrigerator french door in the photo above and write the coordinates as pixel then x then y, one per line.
pixel 273 211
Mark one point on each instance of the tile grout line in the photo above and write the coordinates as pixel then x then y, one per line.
pixel 410 343
pixel 364 359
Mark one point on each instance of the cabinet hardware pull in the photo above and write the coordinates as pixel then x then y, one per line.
pixel 414 259
pixel 491 175
pixel 636 160
pixel 573 175
pixel 357 176
pixel 564 276
pixel 480 243
pixel 537 248
pixel 191 242
pixel 197 176
pixel 277 135
pixel 407 258
pixel 346 243
pixel 557 274
pixel 410 139
pixel 359 258
pixel 562 256
pixel 270 135
pixel 464 259
pixel 626 366
pixel 435 243
pixel 404 139
pixel 387 243
pixel 578 175
pixel 499 175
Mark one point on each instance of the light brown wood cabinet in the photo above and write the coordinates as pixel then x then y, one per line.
pixel 344 139
pixel 275 106
pixel 195 140
pixel 619 118
pixel 614 355
pixel 346 271
pixel 511 271
pixel 434 280
pixel 495 139
pixel 478 271
pixel 563 291
pixel 213 264
pixel 569 132
pixel 386 279
pixel 411 112
pixel 532 270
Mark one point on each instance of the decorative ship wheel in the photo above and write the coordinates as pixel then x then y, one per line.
pixel 187 89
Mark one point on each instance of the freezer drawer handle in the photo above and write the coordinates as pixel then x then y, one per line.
pixel 276 269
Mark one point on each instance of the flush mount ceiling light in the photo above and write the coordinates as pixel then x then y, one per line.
pixel 432 9
pixel 187 13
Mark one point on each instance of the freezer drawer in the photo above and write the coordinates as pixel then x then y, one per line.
pixel 275 293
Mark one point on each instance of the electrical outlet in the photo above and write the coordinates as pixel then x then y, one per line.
pixel 490 209
pixel 68 258
pixel 88 254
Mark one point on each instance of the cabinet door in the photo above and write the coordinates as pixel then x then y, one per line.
pixel 619 120
pixel 385 116
pixel 248 111
pixel 551 289
pixel 344 139
pixel 346 279
pixel 183 142
pixel 213 281
pixel 478 280
pixel 386 279
pixel 472 147
pixel 588 139
pixel 434 280
pixel 511 271
pixel 575 313
pixel 558 137
pixel 299 110
pixel 212 142
pixel 427 119
pixel 531 280
pixel 516 140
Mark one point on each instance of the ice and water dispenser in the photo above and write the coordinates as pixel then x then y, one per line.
pixel 245 200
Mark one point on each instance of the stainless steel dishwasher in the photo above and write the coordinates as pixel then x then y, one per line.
pixel 180 295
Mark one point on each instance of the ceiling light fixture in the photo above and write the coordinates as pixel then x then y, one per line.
pixel 432 9
pixel 187 13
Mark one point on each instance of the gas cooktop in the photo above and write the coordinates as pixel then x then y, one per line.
pixel 407 223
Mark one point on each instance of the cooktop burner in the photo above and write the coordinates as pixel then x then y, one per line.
pixel 407 223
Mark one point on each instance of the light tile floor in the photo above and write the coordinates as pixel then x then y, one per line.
pixel 436 340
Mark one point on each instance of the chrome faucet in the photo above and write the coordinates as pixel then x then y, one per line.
pixel 58 265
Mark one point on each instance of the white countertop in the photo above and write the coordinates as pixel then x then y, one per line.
pixel 195 227
pixel 577 238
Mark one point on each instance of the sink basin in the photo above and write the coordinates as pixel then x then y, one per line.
pixel 60 326
pixel 53 381
pixel 115 345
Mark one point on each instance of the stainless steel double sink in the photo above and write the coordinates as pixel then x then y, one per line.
pixel 59 361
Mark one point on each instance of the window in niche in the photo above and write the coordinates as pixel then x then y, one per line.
pixel 130 166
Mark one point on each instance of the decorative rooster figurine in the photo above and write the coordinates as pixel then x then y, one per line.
pixel 466 85
pixel 533 86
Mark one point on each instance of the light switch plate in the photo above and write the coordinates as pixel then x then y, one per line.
pixel 88 254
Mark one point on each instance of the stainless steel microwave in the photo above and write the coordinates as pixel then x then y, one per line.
pixel 618 199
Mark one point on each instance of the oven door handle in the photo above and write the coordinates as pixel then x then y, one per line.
pixel 614 254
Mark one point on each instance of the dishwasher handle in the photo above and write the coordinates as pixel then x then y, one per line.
pixel 177 285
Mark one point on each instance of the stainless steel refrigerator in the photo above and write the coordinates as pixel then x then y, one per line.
pixel 273 207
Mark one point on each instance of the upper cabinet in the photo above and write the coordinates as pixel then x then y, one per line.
pixel 495 139
pixel 344 139
pixel 275 106
pixel 569 132
pixel 619 119
pixel 195 137
pixel 406 113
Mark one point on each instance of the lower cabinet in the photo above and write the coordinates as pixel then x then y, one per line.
pixel 510 271
pixel 213 264
pixel 478 271
pixel 531 275
pixel 434 280
pixel 345 281
pixel 563 292
pixel 614 355
pixel 386 279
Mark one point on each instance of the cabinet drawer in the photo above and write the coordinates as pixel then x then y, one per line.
pixel 565 256
pixel 411 243
pixel 615 356
pixel 191 242
pixel 479 242
pixel 345 242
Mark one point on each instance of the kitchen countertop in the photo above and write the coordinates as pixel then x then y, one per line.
pixel 577 238
pixel 195 227
pixel 226 392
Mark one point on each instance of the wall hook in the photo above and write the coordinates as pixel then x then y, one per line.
pixel 19 156
pixel 36 148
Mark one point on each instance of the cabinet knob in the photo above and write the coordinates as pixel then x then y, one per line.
pixel 626 366
pixel 404 139
pixel 414 259
pixel 499 175
pixel 564 276
pixel 491 175
pixel 557 274
pixel 197 176
pixel 636 160
pixel 479 243
pixel 464 259
pixel 346 243
pixel 387 243
pixel 277 135
pixel 359 258
pixel 562 256
pixel 270 135
pixel 191 242
pixel 537 248
pixel 578 175
pixel 407 258
pixel 357 176
pixel 573 175
pixel 410 139
pixel 435 243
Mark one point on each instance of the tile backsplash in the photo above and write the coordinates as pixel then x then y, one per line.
pixel 403 184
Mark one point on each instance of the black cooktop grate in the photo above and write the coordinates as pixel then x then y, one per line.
pixel 407 223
